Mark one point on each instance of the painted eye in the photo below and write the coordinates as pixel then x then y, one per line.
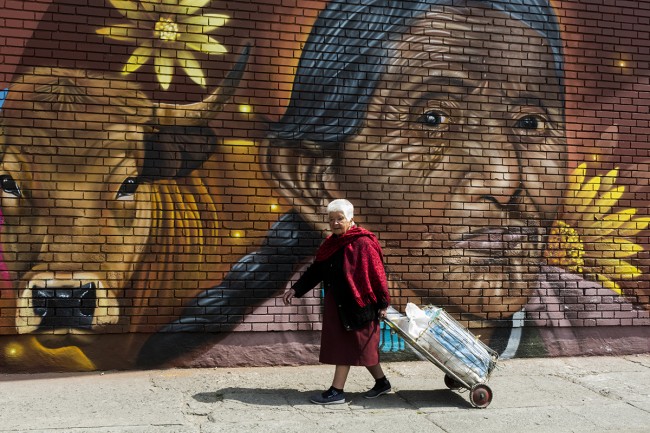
pixel 433 119
pixel 9 185
pixel 128 188
pixel 530 122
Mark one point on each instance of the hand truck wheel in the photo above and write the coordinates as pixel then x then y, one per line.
pixel 480 395
pixel 452 383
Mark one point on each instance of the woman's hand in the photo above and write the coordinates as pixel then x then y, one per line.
pixel 383 313
pixel 288 296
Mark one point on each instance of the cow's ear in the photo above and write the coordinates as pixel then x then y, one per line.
pixel 301 172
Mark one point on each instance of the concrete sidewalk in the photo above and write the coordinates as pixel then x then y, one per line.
pixel 590 394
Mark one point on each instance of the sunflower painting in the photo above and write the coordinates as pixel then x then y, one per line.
pixel 170 33
pixel 595 237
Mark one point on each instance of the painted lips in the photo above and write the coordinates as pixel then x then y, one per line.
pixel 497 241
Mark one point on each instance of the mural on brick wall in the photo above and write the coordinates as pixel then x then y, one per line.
pixel 165 168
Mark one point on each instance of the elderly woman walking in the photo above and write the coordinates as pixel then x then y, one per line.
pixel 350 264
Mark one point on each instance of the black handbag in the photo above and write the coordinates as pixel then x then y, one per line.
pixel 354 317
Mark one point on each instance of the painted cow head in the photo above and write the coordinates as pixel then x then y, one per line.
pixel 104 217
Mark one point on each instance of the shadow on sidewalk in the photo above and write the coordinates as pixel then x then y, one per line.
pixel 409 399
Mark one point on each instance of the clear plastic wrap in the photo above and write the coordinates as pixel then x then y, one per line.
pixel 449 342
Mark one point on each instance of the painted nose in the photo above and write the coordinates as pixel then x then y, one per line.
pixel 503 185
pixel 495 176
pixel 494 159
pixel 65 307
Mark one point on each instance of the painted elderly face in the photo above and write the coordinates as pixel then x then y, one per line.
pixel 461 159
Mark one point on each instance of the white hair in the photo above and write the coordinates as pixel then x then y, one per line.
pixel 341 205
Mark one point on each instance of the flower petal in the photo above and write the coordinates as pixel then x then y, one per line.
pixel 609 284
pixel 619 224
pixel 210 46
pixel 618 248
pixel 616 220
pixel 119 32
pixel 129 9
pixel 204 23
pixel 165 69
pixel 618 269
pixel 576 204
pixel 608 225
pixel 577 177
pixel 194 3
pixel 139 57
pixel 193 68
pixel 601 206
pixel 609 179
pixel 149 5
pixel 632 228
pixel 189 7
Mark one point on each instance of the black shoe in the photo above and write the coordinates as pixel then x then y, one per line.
pixel 331 396
pixel 381 387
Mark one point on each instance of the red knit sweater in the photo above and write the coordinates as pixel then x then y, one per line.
pixel 363 264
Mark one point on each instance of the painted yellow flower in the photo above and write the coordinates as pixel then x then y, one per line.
pixel 170 32
pixel 590 238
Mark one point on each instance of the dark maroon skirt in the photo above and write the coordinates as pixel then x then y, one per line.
pixel 341 347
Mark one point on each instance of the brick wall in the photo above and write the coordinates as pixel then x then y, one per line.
pixel 165 172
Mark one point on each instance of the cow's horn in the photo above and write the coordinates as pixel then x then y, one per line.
pixel 198 113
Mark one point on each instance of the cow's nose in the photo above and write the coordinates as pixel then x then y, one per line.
pixel 65 307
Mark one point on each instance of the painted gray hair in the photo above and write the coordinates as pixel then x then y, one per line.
pixel 346 55
pixel 341 205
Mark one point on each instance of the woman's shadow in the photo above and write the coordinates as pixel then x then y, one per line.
pixel 407 399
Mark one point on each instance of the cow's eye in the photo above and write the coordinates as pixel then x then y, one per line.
pixel 128 187
pixel 9 185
